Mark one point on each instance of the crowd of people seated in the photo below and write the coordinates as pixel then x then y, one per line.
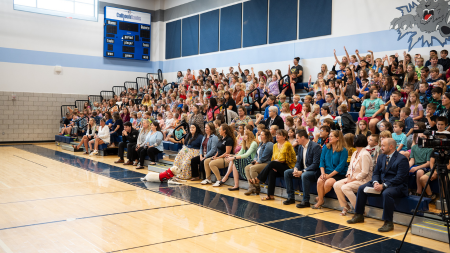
pixel 314 138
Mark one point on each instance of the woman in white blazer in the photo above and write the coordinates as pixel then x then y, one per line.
pixel 359 172
pixel 102 137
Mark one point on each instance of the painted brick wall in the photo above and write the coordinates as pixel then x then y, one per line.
pixel 32 116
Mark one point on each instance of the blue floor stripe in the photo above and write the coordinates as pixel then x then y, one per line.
pixel 339 236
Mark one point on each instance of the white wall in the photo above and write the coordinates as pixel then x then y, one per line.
pixel 32 44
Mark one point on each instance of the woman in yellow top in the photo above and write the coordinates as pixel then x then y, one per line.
pixel 146 100
pixel 283 158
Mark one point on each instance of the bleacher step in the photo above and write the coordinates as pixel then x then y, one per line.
pixel 435 230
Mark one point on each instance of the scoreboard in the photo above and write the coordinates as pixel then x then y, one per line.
pixel 126 34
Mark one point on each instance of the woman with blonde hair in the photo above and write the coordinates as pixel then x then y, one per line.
pixel 90 133
pixel 238 162
pixel 324 71
pixel 146 100
pixel 333 166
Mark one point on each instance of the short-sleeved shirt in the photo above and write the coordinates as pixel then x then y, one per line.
pixel 231 102
pixel 297 68
pixel 332 106
pixel 420 155
pixel 400 139
pixel 372 106
pixel 222 145
pixel 66 121
pixel 351 89
pixel 295 109
pixel 244 121
pixel 398 104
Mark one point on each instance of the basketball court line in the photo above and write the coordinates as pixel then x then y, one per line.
pixel 57 153
pixel 30 161
pixel 94 216
pixel 70 196
pixel 185 238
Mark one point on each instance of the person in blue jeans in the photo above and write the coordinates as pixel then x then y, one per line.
pixel 307 167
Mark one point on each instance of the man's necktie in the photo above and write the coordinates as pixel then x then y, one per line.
pixel 387 162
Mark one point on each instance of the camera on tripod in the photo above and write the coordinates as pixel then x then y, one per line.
pixel 433 140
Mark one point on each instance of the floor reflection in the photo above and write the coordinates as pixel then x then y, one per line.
pixel 320 231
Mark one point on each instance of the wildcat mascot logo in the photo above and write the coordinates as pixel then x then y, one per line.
pixel 428 20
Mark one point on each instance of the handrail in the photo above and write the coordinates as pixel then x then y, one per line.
pixel 113 107
pixel 160 75
pixel 225 109
pixel 65 106
pixel 78 120
pixel 255 100
pixel 166 85
pixel 280 87
pixel 182 124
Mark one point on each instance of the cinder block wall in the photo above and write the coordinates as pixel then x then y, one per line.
pixel 32 116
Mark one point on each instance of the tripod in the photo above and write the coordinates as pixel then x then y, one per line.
pixel 441 161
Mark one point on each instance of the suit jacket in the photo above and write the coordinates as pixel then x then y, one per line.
pixel 313 153
pixel 396 173
pixel 277 121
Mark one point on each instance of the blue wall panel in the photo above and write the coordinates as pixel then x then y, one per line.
pixel 190 36
pixel 315 18
pixel 173 39
pixel 230 27
pixel 209 32
pixel 282 20
pixel 255 23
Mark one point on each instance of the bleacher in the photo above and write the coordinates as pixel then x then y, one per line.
pixel 166 159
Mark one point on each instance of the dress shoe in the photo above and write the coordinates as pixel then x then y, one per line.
pixel 388 226
pixel 128 163
pixel 251 189
pixel 289 201
pixel 119 161
pixel 303 204
pixel 357 218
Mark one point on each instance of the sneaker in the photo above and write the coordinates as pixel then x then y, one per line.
pixel 218 183
pixel 94 152
pixel 206 181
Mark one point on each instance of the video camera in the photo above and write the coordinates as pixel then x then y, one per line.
pixel 433 140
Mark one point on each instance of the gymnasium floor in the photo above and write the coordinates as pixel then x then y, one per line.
pixel 52 200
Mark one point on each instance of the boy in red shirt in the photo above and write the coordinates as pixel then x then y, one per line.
pixel 296 107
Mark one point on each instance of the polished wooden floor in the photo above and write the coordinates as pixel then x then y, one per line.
pixel 49 203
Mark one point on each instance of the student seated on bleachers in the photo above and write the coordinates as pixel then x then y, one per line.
pixel 420 161
pixel 91 128
pixel 102 137
pixel 347 122
pixel 423 180
pixel 67 125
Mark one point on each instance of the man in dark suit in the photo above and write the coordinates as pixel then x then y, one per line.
pixel 274 119
pixel 389 180
pixel 307 167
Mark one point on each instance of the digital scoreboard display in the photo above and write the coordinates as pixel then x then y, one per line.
pixel 126 34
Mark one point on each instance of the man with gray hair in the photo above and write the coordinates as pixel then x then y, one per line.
pixel 274 119
pixel 389 181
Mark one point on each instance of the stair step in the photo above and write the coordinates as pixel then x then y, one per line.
pixel 436 230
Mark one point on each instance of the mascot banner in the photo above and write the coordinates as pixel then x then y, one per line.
pixel 427 21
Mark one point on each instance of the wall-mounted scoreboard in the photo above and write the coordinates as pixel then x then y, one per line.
pixel 126 34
